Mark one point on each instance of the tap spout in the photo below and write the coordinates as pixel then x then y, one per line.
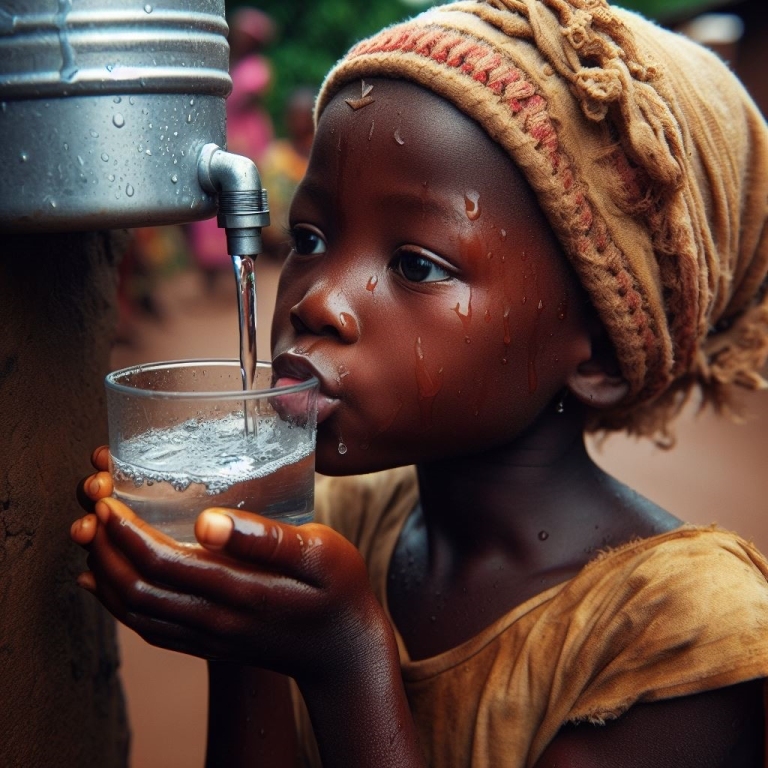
pixel 243 207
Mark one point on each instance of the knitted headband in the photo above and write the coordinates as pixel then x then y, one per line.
pixel 649 160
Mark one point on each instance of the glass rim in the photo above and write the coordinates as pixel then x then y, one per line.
pixel 111 382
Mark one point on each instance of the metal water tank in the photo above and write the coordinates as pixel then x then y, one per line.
pixel 105 106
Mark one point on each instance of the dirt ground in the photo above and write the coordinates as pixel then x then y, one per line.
pixel 717 473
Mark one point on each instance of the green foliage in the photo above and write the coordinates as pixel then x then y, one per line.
pixel 314 34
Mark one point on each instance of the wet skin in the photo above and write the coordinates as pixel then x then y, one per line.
pixel 429 297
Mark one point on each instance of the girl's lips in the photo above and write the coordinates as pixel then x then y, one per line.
pixel 325 404
pixel 291 369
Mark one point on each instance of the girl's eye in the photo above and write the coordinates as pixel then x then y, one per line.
pixel 306 242
pixel 417 268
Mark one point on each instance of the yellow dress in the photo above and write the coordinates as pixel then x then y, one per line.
pixel 676 614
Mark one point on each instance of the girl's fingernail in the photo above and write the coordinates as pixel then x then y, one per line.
pixel 94 486
pixel 102 511
pixel 213 529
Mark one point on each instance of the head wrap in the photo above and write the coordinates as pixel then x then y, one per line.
pixel 649 160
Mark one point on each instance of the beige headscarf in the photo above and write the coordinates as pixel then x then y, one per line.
pixel 649 160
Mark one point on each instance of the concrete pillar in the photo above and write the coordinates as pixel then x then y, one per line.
pixel 61 701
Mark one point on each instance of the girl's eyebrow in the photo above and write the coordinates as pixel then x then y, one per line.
pixel 440 207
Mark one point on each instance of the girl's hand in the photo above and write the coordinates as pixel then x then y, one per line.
pixel 292 599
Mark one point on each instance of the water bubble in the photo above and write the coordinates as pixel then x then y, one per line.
pixel 342 448
pixel 24 156
pixel 93 133
pixel 105 157
pixel 129 190
pixel 174 179
pixel 118 120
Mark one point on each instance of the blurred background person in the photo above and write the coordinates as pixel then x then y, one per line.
pixel 283 165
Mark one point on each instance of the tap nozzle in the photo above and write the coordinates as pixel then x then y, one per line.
pixel 243 207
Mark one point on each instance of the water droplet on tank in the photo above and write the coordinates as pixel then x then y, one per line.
pixel 24 156
pixel 80 160
pixel 118 120
pixel 191 102
pixel 110 67
pixel 93 133
pixel 129 190
pixel 148 8
pixel 52 203
pixel 117 99
pixel 105 157
pixel 174 179
pixel 148 152
pixel 66 147
pixel 342 448
pixel 111 177
pixel 189 117
pixel 131 100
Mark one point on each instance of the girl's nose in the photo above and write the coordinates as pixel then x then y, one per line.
pixel 325 311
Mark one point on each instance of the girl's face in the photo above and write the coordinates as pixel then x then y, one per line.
pixel 424 288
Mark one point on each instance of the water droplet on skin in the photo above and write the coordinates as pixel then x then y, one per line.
pixel 174 179
pixel 342 448
pixel 398 138
pixel 372 282
pixel 129 190
pixel 472 205
pixel 467 340
pixel 370 133
pixel 105 157
pixel 24 156
pixel 507 331
pixel 503 234
pixel 543 535
pixel 540 307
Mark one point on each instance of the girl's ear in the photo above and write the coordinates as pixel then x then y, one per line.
pixel 597 381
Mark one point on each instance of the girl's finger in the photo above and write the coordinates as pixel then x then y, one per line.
pixel 158 559
pixel 250 538
pixel 83 530
pixel 100 458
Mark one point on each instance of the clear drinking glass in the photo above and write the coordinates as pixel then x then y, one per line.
pixel 185 436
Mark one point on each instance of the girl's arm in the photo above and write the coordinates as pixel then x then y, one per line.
pixel 250 718
pixel 723 728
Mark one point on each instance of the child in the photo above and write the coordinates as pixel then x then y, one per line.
pixel 520 220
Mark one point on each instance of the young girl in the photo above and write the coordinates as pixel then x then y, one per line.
pixel 520 220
